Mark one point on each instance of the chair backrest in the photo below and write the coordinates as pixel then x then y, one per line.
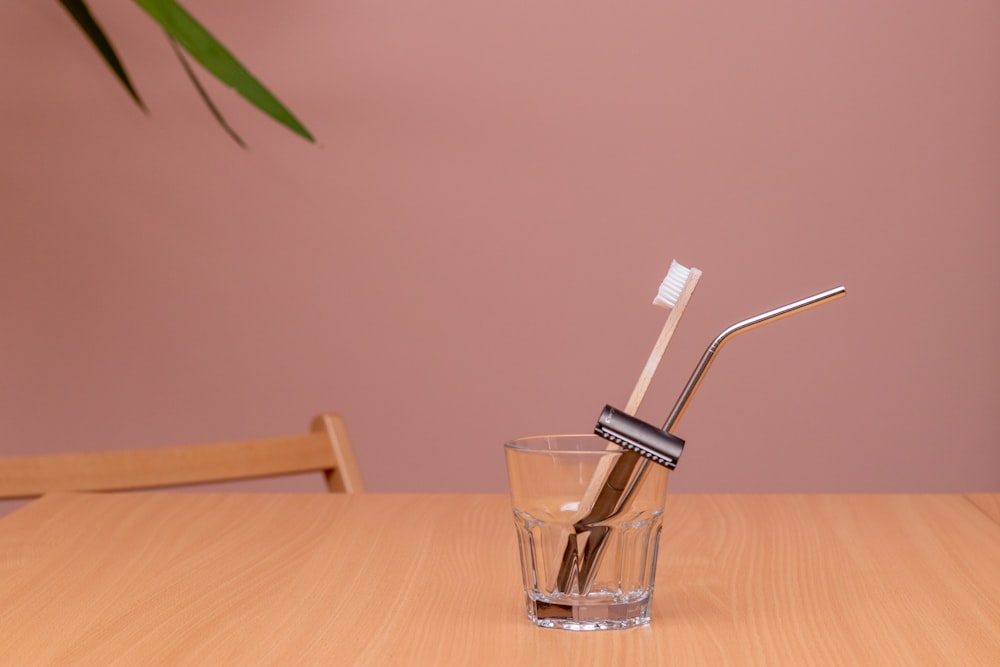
pixel 325 449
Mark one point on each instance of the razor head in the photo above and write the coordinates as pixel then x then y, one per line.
pixel 645 439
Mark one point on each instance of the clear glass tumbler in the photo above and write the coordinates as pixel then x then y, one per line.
pixel 582 572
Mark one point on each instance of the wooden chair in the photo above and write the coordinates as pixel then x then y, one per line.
pixel 325 449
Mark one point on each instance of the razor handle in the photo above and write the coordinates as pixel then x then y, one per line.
pixel 639 440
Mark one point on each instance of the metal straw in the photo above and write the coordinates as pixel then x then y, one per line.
pixel 740 327
pixel 588 566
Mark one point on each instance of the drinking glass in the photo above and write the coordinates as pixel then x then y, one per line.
pixel 581 574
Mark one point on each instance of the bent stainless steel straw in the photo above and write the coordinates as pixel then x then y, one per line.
pixel 632 433
pixel 740 327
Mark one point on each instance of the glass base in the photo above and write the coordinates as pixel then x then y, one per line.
pixel 590 616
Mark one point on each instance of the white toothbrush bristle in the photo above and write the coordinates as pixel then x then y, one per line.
pixel 672 285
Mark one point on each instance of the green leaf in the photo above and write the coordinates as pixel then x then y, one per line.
pixel 81 14
pixel 204 93
pixel 215 58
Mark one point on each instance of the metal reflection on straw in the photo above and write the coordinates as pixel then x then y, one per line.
pixel 740 327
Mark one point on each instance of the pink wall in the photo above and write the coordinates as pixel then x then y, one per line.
pixel 470 252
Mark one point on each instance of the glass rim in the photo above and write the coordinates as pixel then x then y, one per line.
pixel 527 443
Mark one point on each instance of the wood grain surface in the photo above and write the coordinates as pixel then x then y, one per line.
pixel 241 579
pixel 988 503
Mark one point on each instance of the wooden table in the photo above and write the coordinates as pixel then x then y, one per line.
pixel 216 579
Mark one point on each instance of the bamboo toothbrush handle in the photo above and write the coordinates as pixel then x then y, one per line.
pixel 599 491
pixel 608 484
pixel 606 492
pixel 639 392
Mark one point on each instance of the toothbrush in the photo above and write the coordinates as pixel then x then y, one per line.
pixel 647 443
pixel 674 293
